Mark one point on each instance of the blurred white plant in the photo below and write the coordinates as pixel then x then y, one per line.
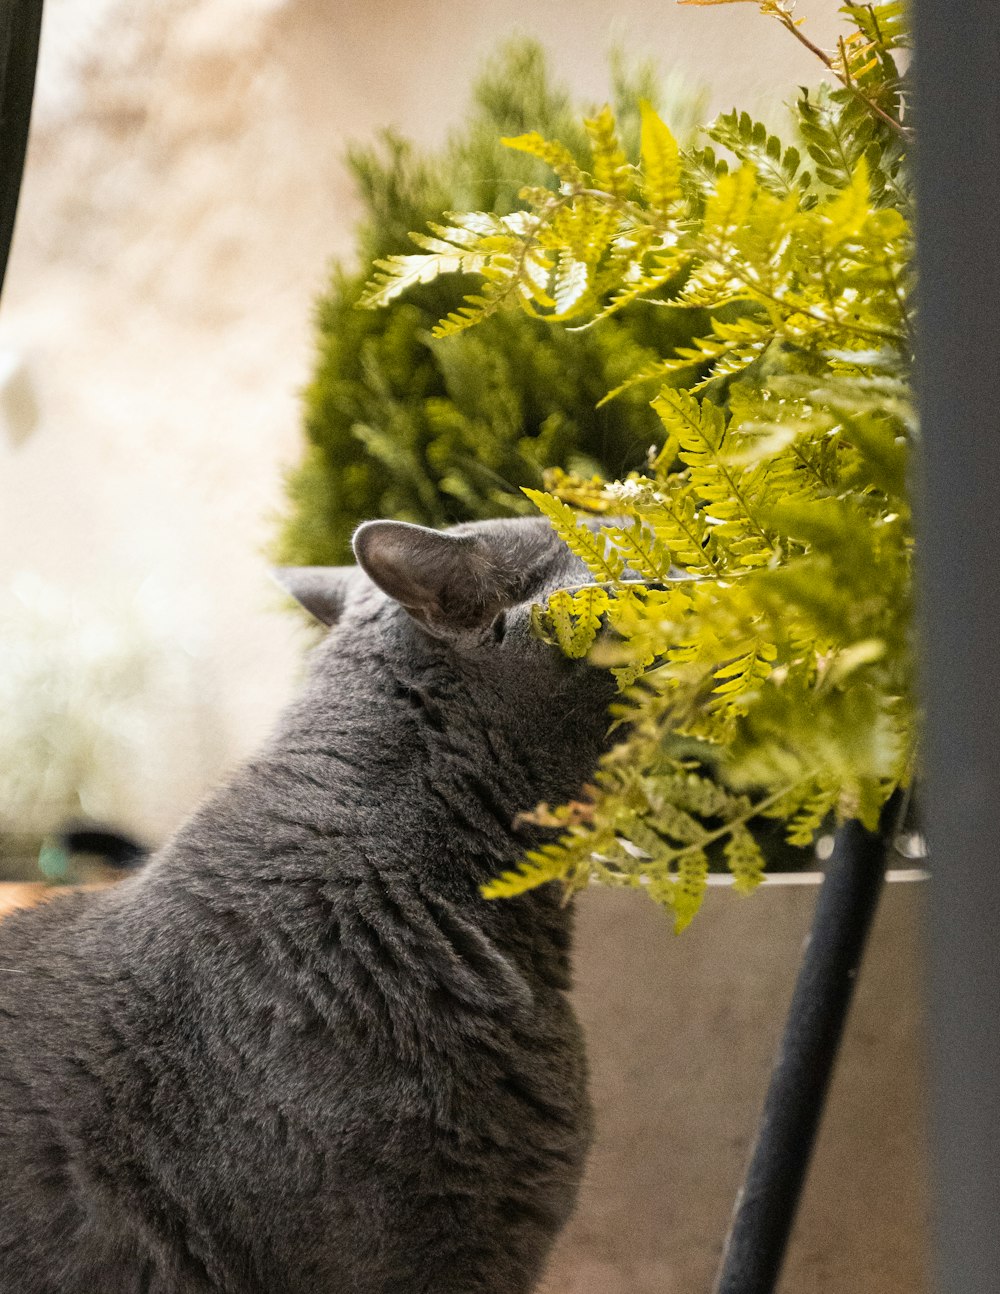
pixel 83 691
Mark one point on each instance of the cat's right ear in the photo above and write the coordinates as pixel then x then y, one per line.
pixel 447 582
pixel 320 590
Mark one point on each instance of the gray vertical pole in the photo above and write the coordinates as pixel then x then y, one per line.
pixel 20 25
pixel 958 375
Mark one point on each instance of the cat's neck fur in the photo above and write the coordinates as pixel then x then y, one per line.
pixel 394 783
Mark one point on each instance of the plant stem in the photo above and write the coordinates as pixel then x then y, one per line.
pixel 845 80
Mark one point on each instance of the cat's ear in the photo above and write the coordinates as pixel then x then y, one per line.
pixel 321 590
pixel 447 582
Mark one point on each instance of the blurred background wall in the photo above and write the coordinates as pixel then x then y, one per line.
pixel 183 197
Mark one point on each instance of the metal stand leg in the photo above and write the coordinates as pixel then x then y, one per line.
pixel 765 1207
pixel 20 26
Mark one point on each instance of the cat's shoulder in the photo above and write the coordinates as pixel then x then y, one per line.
pixel 47 931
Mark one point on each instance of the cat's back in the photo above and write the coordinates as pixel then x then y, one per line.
pixel 50 1038
pixel 46 974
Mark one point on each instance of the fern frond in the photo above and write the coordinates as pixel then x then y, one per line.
pixel 689 888
pixel 570 281
pixel 834 141
pixel 650 274
pixel 745 860
pixel 701 795
pixel 702 170
pixel 572 620
pixel 552 153
pixel 660 162
pixel 699 427
pixel 746 672
pixel 475 307
pixel 588 608
pixel 610 165
pixel 641 549
pixel 727 209
pixel 844 215
pixel 475 242
pixel 589 494
pixel 778 167
pixel 885 25
pixel 681 526
pixel 712 284
pixel 538 868
pixel 589 545
pixel 811 815
pixel 733 348
pixel 398 274
pixel 646 621
pixel 654 372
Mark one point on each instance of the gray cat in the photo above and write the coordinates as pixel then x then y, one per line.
pixel 299 1052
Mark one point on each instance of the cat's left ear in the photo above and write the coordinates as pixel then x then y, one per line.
pixel 447 582
pixel 321 590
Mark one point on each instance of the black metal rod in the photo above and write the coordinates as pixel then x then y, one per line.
pixel 765 1209
pixel 957 70
pixel 20 28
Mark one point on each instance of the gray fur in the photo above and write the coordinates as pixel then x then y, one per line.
pixel 299 1053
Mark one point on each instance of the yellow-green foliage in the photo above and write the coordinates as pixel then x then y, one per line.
pixel 770 635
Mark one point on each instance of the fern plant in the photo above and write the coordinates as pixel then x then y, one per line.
pixel 401 425
pixel 752 581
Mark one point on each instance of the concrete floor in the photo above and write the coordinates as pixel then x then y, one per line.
pixel 682 1033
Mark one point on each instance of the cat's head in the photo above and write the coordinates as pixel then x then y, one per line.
pixel 456 605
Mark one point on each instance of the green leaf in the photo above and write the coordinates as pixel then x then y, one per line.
pixel 660 160
pixel 551 152
pixel 611 169
pixel 589 545
pixel 778 167
pixel 744 859
pixel 692 881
